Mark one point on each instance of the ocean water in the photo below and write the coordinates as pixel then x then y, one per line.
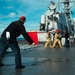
pixel 20 39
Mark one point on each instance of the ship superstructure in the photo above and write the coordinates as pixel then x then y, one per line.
pixel 53 19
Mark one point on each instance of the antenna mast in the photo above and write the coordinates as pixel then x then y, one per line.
pixel 67 8
pixel 58 5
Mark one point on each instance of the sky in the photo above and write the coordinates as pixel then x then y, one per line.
pixel 11 10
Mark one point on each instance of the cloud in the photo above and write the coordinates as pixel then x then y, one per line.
pixel 12 14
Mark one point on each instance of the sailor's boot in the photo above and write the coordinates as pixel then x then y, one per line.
pixel 60 46
pixel 46 44
pixel 51 46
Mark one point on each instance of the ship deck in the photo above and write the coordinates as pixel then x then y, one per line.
pixel 41 61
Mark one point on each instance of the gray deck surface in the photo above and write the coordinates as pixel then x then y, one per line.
pixel 41 61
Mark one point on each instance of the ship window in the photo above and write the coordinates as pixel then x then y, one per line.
pixel 55 18
pixel 48 23
pixel 42 27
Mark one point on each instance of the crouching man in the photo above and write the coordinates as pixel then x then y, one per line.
pixel 48 40
pixel 57 39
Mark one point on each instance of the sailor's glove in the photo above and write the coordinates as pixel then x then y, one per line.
pixel 57 37
pixel 33 43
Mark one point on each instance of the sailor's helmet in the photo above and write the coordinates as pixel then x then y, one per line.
pixel 57 30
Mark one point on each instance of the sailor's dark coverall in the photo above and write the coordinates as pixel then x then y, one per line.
pixel 15 28
pixel 66 35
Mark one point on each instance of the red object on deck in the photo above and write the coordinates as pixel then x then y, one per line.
pixel 34 37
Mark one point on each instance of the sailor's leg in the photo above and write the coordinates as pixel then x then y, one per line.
pixel 47 43
pixel 54 44
pixel 50 44
pixel 59 43
pixel 15 48
pixel 3 48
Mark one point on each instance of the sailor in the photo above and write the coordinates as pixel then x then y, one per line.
pixel 8 39
pixel 48 40
pixel 66 35
pixel 57 39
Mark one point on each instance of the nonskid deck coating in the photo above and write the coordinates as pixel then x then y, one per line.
pixel 41 61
